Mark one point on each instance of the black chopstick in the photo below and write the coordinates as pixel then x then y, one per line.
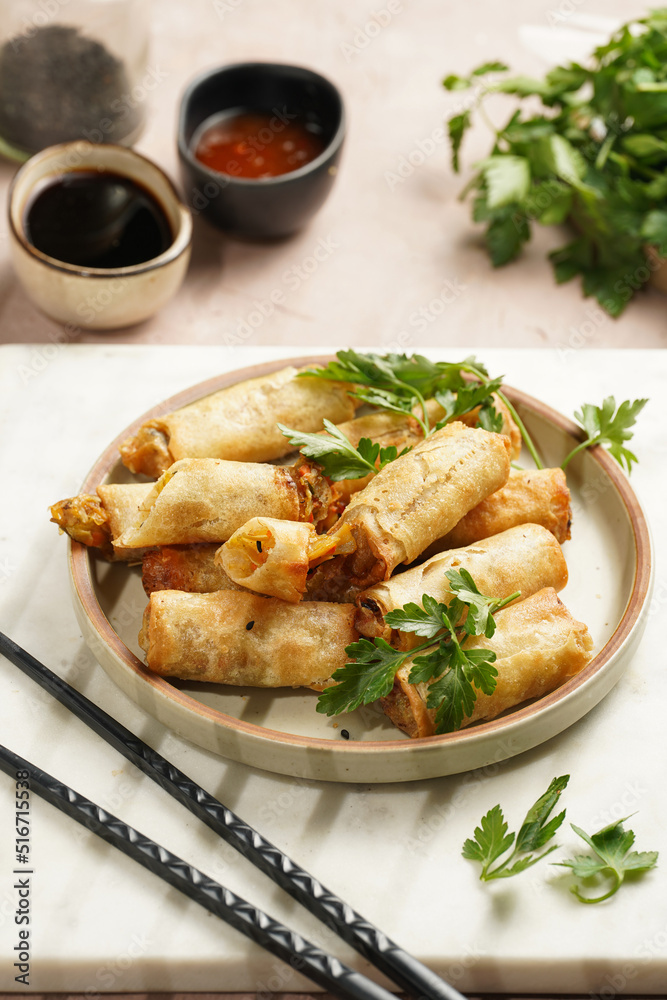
pixel 323 969
pixel 398 965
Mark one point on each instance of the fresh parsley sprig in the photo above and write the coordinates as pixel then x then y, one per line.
pixel 456 672
pixel 337 455
pixel 587 144
pixel 606 425
pixel 491 839
pixel 403 382
pixel 611 858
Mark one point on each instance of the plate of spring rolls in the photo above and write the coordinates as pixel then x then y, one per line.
pixel 224 578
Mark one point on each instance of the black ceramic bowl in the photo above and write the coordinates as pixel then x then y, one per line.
pixel 267 207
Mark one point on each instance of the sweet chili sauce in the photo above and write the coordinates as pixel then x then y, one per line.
pixel 257 144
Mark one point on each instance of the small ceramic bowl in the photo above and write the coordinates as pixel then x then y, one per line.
pixel 97 298
pixel 269 207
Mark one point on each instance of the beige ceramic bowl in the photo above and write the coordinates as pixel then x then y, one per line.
pixel 97 298
pixel 611 573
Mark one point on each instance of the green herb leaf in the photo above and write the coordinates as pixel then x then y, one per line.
pixel 338 456
pixel 368 677
pixel 457 126
pixel 654 230
pixel 466 398
pixel 588 148
pixel 481 609
pixel 490 67
pixel 452 695
pixel 608 426
pixel 506 234
pixel 611 858
pixel 427 621
pixel 507 179
pixel 491 839
pixel 456 673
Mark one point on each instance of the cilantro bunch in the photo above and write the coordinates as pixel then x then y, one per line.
pixel 454 673
pixel 594 154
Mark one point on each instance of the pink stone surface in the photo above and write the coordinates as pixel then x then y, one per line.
pixel 400 262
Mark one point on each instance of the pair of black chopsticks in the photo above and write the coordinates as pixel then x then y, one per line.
pixel 325 970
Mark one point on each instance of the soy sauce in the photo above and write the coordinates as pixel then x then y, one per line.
pixel 97 219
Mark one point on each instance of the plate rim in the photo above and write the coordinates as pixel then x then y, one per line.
pixel 80 567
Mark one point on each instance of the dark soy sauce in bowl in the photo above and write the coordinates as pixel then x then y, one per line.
pixel 97 219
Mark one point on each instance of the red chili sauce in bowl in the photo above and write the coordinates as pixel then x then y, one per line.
pixel 257 144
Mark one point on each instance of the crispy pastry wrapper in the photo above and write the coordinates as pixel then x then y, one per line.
pixel 207 499
pixel 529 495
pixel 420 497
pixel 402 431
pixel 184 567
pixel 269 556
pixel 526 558
pixel 97 521
pixel 273 557
pixel 239 423
pixel 538 644
pixel 236 638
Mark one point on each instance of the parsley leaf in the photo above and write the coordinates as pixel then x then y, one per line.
pixel 454 673
pixel 479 620
pixel 606 425
pixel 338 456
pixel 611 858
pixel 428 619
pixel 368 677
pixel 467 398
pixel 491 839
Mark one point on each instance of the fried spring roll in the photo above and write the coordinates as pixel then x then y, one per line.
pixel 207 499
pixel 184 567
pixel 419 497
pixel 273 557
pixel 97 521
pixel 535 496
pixel 243 639
pixel 387 428
pixel 238 423
pixel 526 558
pixel 538 645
